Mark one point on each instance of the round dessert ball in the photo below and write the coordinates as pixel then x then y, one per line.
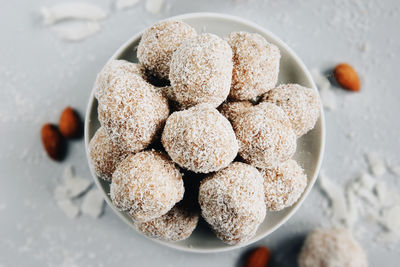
pixel 159 42
pixel 146 185
pixel 265 136
pixel 200 139
pixel 176 225
pixel 114 69
pixel 104 154
pixel 331 248
pixel 255 65
pixel 301 104
pixel 133 112
pixel 201 71
pixel 232 202
pixel 231 110
pixel 283 185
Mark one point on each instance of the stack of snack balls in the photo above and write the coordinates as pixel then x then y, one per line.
pixel 220 119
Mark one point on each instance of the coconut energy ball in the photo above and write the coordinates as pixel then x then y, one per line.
pixel 159 42
pixel 283 185
pixel 331 248
pixel 232 202
pixel 104 154
pixel 133 112
pixel 265 136
pixel 114 69
pixel 146 185
pixel 201 71
pixel 231 110
pixel 200 139
pixel 255 65
pixel 176 225
pixel 301 104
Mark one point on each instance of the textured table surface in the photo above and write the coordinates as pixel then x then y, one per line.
pixel 41 74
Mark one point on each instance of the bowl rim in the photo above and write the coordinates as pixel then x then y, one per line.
pixel 321 151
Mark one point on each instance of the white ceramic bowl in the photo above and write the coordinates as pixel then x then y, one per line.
pixel 310 147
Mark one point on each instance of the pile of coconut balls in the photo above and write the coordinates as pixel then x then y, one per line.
pixel 220 121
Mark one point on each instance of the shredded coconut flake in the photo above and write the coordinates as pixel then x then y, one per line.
pixel 337 198
pixel 68 207
pixel 154 6
pixel 328 97
pixel 395 169
pixel 72 10
pixel 124 4
pixel 377 165
pixel 74 185
pixel 76 31
pixel 93 203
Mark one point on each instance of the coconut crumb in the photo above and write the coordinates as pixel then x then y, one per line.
pixel 76 31
pixel 72 10
pixel 376 164
pixel 154 6
pixel 337 198
pixel 93 203
pixel 327 95
pixel 124 4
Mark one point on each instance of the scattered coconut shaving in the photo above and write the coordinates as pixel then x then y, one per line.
pixel 76 31
pixel 124 4
pixel 327 95
pixel 337 198
pixel 71 10
pixel 93 203
pixel 74 185
pixel 365 198
pixel 68 207
pixel 377 165
pixel 395 170
pixel 154 6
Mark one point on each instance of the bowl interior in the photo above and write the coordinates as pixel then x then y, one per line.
pixel 309 147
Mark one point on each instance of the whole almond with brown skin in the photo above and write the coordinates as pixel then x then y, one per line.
pixel 258 258
pixel 69 123
pixel 347 77
pixel 52 141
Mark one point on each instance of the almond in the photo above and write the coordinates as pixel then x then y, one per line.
pixel 347 77
pixel 69 123
pixel 52 141
pixel 258 258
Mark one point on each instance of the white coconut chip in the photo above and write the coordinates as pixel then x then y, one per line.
pixel 71 10
pixel 390 219
pixel 327 95
pixel 395 170
pixel 376 164
pixel 76 31
pixel 69 208
pixel 124 4
pixel 337 198
pixel 154 6
pixel 65 203
pixel 74 185
pixel 93 203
